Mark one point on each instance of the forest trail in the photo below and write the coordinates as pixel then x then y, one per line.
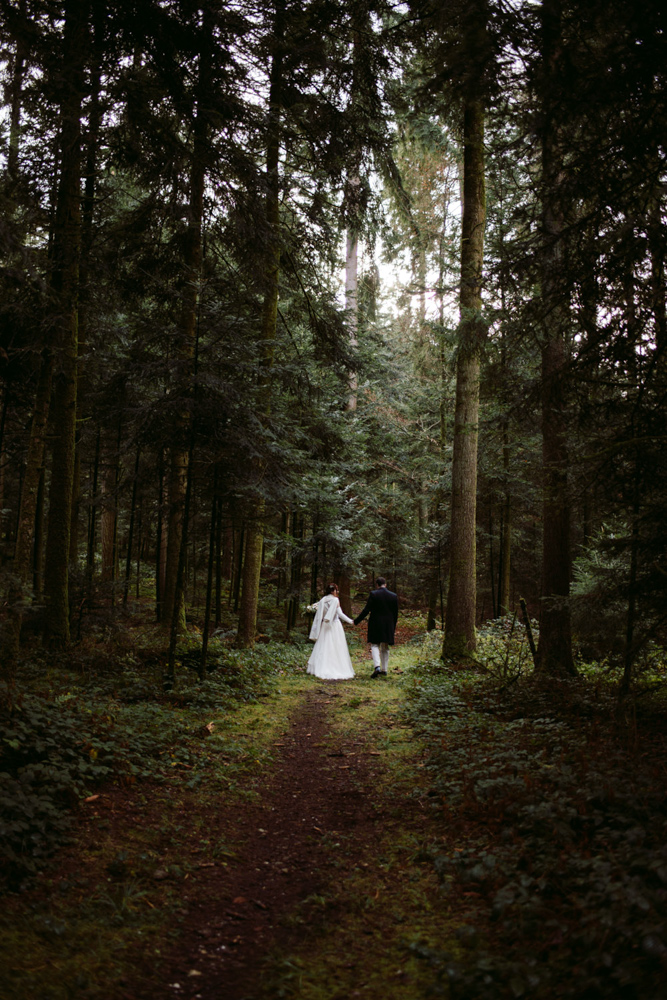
pixel 324 886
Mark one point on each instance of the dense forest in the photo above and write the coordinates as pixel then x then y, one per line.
pixel 191 406
pixel 293 293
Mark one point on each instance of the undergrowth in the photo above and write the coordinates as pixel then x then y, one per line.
pixel 78 724
pixel 554 819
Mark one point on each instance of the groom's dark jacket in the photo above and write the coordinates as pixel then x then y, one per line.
pixel 382 606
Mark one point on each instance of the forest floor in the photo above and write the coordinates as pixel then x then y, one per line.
pixel 297 872
pixel 477 835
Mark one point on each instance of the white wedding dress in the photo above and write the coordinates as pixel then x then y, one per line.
pixel 330 659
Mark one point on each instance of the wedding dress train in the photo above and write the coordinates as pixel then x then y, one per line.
pixel 330 659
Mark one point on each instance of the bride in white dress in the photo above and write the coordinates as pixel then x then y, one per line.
pixel 330 659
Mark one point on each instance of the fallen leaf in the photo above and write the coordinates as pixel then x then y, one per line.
pixel 194 972
pixel 91 798
pixel 262 906
pixel 240 899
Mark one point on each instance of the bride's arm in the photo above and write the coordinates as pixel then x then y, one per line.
pixel 343 617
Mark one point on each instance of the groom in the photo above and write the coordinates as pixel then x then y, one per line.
pixel 382 605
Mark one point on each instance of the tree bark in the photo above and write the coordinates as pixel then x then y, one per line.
pixel 130 531
pixel 352 302
pixel 110 473
pixel 21 567
pixel 65 285
pixel 460 638
pixel 554 652
pixel 90 175
pixel 90 554
pixel 15 93
pixel 192 260
pixel 506 545
pixel 247 624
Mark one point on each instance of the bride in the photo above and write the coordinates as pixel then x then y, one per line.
pixel 330 659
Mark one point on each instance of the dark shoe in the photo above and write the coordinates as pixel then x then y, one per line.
pixel 376 673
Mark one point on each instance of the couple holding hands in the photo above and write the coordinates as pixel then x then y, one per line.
pixel 330 659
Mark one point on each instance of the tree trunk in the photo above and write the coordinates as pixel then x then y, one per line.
pixel 160 540
pixel 21 568
pixel 352 301
pixel 90 554
pixel 218 564
pixel 192 260
pixel 506 550
pixel 247 624
pixel 209 577
pixel 65 285
pixel 460 638
pixel 17 71
pixel 110 461
pixel 554 652
pixel 130 531
pixel 656 240
pixel 90 174
pixel 38 543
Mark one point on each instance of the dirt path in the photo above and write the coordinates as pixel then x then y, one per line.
pixel 288 848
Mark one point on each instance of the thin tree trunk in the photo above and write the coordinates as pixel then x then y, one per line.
pixel 178 608
pixel 140 542
pixel 192 260
pixel 160 550
pixel 227 564
pixel 630 651
pixel 88 205
pixel 352 300
pixel 314 564
pixel 209 578
pixel 65 285
pixel 506 553
pixel 460 638
pixel 247 624
pixel 90 555
pixel 656 241
pixel 110 474
pixel 15 95
pixel 3 466
pixel 491 567
pixel 130 530
pixel 239 568
pixel 23 546
pixel 218 565
pixel 38 544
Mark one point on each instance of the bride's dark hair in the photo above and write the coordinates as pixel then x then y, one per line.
pixel 331 587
